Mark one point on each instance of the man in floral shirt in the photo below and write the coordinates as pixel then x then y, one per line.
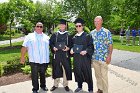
pixel 103 45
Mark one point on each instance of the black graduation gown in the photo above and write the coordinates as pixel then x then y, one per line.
pixel 82 64
pixel 61 57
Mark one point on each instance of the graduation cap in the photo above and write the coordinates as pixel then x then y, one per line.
pixel 79 20
pixel 63 21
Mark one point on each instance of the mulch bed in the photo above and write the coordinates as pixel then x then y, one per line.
pixel 14 78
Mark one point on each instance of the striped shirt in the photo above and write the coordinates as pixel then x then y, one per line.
pixel 38 47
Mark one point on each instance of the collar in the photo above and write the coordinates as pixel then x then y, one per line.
pixel 79 34
pixel 99 30
pixel 38 34
pixel 62 32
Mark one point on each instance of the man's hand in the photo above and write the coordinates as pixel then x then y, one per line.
pixel 108 59
pixel 23 52
pixel 22 60
pixel 83 53
pixel 66 48
pixel 71 51
pixel 55 49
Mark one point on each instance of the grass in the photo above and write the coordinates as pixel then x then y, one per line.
pixel 10 53
pixel 117 44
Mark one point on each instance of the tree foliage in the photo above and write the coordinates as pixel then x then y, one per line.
pixel 116 14
pixel 48 13
pixel 88 9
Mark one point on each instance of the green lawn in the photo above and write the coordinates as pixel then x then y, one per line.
pixel 117 45
pixel 7 53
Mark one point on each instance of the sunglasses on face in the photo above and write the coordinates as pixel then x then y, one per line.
pixel 78 26
pixel 39 26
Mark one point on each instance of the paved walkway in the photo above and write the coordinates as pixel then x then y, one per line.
pixel 124 77
pixel 126 59
pixel 13 40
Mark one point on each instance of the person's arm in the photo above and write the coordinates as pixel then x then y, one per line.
pixel 52 43
pixel 110 48
pixel 108 59
pixel 23 52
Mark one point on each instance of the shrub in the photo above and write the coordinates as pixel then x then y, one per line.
pixel 12 66
pixel 49 71
pixel 1 70
pixel 26 69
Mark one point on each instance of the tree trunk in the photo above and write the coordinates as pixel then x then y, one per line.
pixel 10 33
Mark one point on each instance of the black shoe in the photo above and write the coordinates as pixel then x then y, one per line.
pixel 78 90
pixel 53 88
pixel 67 88
pixel 35 92
pixel 45 89
pixel 91 91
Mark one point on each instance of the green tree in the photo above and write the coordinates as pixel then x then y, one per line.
pixel 17 9
pixel 133 13
pixel 3 18
pixel 124 13
pixel 88 9
pixel 48 13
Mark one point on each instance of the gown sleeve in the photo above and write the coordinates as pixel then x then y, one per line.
pixel 52 42
pixel 90 46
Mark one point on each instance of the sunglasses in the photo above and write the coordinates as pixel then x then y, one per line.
pixel 78 25
pixel 39 26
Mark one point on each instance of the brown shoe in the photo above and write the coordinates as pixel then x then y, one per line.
pixel 99 91
pixel 53 88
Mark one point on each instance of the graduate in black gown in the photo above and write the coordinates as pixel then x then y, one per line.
pixel 60 43
pixel 82 51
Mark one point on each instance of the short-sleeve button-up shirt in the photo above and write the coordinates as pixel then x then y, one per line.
pixel 101 40
pixel 38 47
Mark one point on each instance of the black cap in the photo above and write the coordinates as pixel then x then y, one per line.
pixel 79 20
pixel 63 21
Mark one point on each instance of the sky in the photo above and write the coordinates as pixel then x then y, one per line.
pixel 7 0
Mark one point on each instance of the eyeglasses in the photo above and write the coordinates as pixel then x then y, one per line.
pixel 78 25
pixel 39 26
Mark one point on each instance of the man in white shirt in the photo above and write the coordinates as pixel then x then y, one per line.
pixel 37 45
